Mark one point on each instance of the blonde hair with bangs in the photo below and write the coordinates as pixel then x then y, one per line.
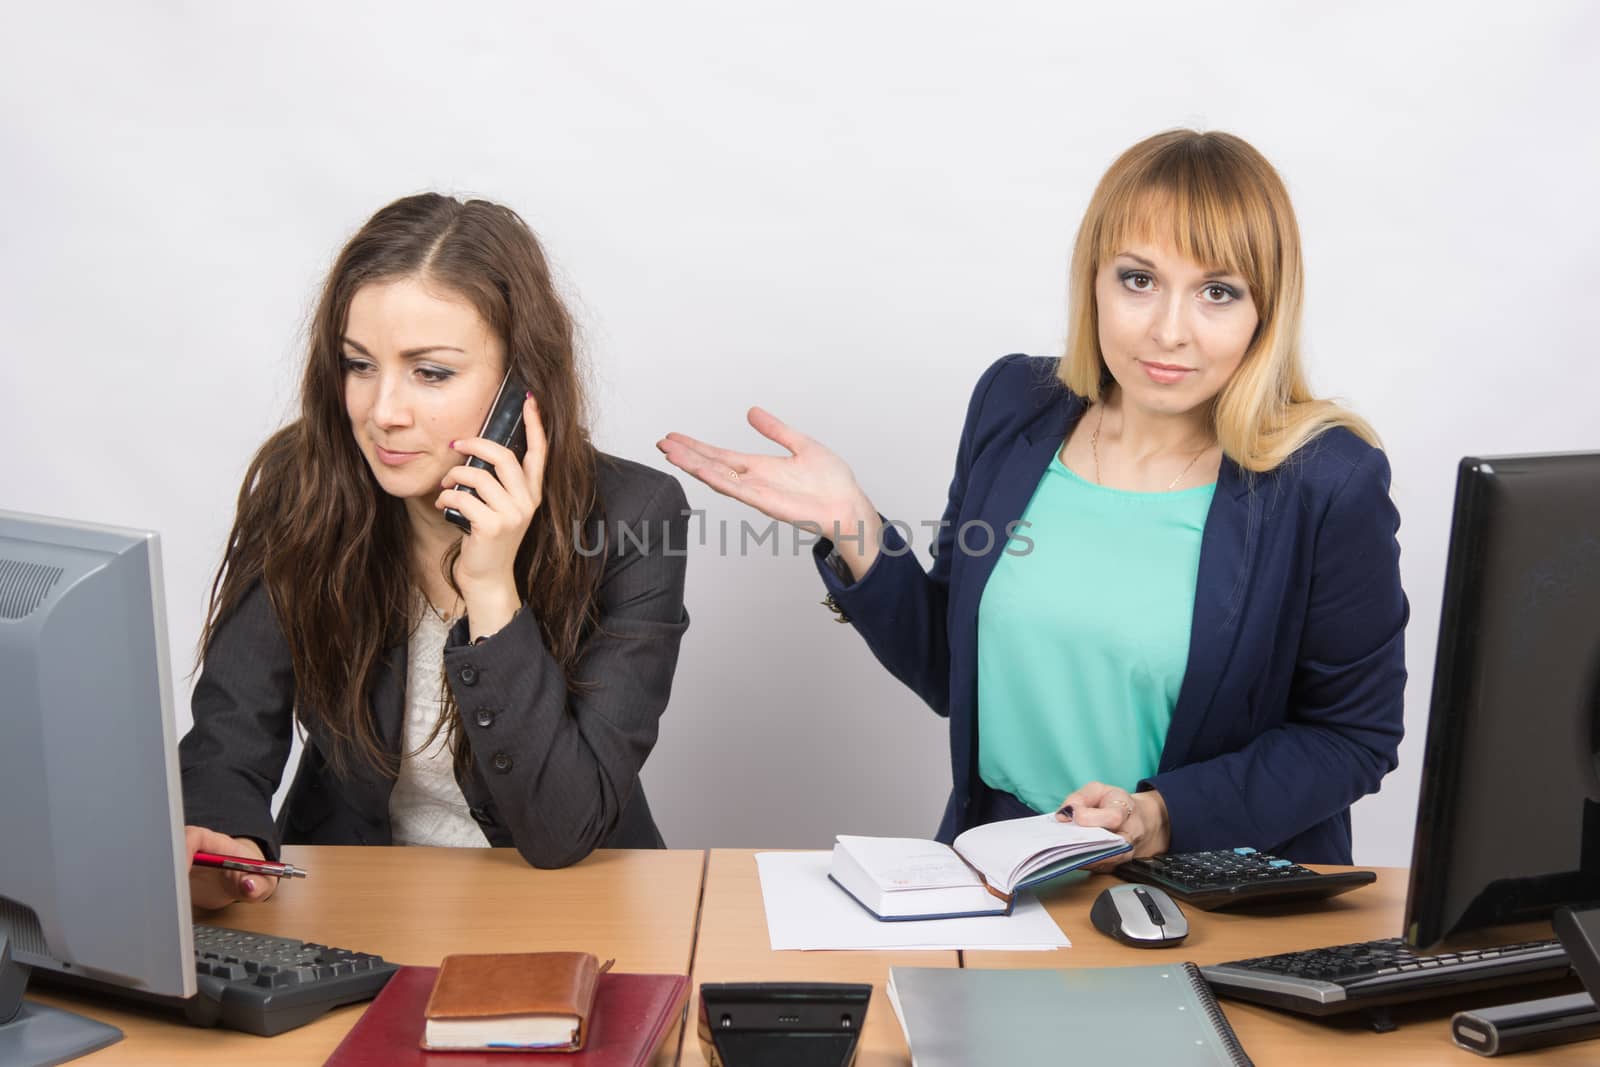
pixel 1218 202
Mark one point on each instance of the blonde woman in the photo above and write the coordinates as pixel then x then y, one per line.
pixel 1166 584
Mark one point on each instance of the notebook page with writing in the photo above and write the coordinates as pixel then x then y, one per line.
pixel 898 863
pixel 899 878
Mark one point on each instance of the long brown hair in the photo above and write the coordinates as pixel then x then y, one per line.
pixel 333 549
pixel 1217 201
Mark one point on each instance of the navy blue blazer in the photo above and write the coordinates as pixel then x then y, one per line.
pixel 1291 703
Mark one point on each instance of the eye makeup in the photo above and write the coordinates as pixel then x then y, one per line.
pixel 1142 281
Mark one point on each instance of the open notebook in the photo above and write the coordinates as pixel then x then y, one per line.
pixel 898 878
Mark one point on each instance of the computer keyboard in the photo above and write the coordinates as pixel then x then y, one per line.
pixel 1328 981
pixel 258 983
pixel 1226 878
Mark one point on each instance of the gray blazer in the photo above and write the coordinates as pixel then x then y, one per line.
pixel 553 773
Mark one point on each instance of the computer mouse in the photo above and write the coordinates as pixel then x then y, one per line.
pixel 1139 915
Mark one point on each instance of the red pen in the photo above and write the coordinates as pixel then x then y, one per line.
pixel 247 865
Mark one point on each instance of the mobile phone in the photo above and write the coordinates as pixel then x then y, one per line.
pixel 504 427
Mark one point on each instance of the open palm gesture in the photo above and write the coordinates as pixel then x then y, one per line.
pixel 811 487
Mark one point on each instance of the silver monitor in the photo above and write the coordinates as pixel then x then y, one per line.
pixel 93 868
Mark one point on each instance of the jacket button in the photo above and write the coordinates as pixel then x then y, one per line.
pixel 501 762
pixel 478 815
pixel 468 675
pixel 484 717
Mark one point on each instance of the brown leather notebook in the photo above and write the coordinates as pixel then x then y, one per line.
pixel 633 1016
pixel 512 1001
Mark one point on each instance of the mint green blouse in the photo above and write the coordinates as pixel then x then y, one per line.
pixel 1084 637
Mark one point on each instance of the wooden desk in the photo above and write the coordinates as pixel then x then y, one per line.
pixel 733 947
pixel 417 905
pixel 1269 1036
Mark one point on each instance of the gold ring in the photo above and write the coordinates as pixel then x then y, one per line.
pixel 733 474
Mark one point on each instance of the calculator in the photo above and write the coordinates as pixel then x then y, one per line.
pixel 1226 878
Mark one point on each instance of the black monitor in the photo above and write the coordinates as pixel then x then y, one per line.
pixel 93 867
pixel 1508 824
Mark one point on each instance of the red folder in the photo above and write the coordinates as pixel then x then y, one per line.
pixel 632 1014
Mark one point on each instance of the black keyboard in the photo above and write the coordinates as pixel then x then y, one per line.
pixel 1328 981
pixel 259 984
pixel 1226 878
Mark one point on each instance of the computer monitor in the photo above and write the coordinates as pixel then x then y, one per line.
pixel 1508 824
pixel 93 867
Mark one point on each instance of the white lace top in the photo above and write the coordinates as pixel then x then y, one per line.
pixel 427 806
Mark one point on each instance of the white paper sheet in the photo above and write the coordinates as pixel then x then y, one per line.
pixel 806 911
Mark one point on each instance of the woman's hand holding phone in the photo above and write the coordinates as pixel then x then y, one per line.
pixel 507 497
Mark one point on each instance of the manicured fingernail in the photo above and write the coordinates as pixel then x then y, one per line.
pixel 249 887
pixel 1066 809
pixel 530 394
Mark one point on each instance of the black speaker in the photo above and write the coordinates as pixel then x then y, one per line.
pixel 781 1024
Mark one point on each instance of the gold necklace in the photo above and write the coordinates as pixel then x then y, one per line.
pixel 1094 450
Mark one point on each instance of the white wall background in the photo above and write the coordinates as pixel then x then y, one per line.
pixel 843 212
